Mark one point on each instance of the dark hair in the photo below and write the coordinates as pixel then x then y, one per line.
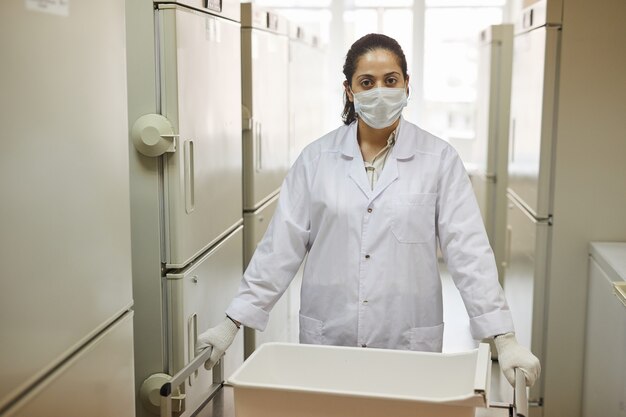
pixel 359 48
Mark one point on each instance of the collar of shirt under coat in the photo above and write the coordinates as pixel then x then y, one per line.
pixel 404 147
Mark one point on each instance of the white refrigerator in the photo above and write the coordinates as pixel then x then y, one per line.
pixel 264 65
pixel 308 60
pixel 566 176
pixel 489 153
pixel 530 177
pixel 65 297
pixel 186 189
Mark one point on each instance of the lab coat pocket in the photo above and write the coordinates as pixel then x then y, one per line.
pixel 413 217
pixel 427 339
pixel 311 330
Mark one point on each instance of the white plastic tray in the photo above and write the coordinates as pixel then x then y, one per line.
pixel 289 380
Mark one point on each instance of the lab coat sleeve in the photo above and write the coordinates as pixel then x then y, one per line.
pixel 466 250
pixel 279 255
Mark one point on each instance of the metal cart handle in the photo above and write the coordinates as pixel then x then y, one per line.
pixel 179 379
pixel 520 397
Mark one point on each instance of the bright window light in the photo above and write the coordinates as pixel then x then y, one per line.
pixel 465 3
pixel 294 3
pixel 383 3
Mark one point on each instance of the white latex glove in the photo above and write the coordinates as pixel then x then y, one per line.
pixel 218 338
pixel 512 355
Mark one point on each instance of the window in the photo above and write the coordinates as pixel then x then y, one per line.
pixel 451 63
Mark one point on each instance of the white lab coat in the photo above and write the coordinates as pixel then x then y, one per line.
pixel 371 276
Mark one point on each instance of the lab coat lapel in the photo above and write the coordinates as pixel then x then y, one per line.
pixel 388 176
pixel 356 169
pixel 403 149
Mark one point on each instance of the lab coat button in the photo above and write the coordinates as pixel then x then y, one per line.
pixel 369 210
pixel 367 256
pixel 364 301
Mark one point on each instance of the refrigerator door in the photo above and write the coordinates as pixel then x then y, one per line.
pixel 482 157
pixel 197 299
pixel 64 214
pixel 266 136
pixel 490 150
pixel 525 281
pixel 604 385
pixel 97 382
pixel 200 96
pixel 306 98
pixel 535 60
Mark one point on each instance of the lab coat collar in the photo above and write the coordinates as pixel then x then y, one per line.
pixel 350 149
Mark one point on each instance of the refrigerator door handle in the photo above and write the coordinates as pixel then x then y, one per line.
pixel 619 289
pixel 259 144
pixel 175 381
pixel 192 338
pixel 509 236
pixel 512 153
pixel 190 198
pixel 520 395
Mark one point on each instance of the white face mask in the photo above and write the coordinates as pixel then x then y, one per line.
pixel 380 107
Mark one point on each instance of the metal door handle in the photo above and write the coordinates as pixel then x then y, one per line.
pixel 619 289
pixel 179 379
pixel 509 237
pixel 190 197
pixel 520 396
pixel 512 153
pixel 259 146
pixel 192 338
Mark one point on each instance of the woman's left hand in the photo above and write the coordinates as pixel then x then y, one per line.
pixel 512 355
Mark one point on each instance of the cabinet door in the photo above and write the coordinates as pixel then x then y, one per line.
pixel 266 143
pixel 604 386
pixel 524 283
pixel 97 382
pixel 197 299
pixel 201 96
pixel 64 210
pixel 535 56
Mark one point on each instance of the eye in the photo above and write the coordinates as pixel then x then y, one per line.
pixel 391 81
pixel 366 83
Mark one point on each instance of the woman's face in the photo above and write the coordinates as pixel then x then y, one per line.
pixel 377 68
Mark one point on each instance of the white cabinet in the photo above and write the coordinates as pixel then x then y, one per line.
pixel 197 298
pixel 604 386
pixel 96 382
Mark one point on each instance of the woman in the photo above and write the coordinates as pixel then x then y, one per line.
pixel 368 202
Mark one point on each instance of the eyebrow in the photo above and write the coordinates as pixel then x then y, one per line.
pixel 370 75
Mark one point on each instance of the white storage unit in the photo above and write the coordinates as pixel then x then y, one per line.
pixel 198 297
pixel 264 63
pixel 286 380
pixel 264 57
pixel 66 266
pixel 98 382
pixel 308 89
pixel 487 162
pixel 186 184
pixel 564 188
pixel 604 386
